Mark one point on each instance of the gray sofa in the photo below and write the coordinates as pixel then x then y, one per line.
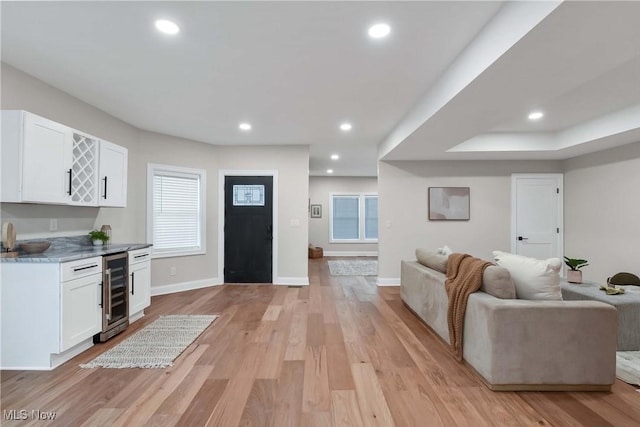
pixel 518 344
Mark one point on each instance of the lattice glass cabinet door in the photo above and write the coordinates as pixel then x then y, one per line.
pixel 84 178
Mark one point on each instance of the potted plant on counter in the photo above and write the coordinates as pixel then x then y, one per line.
pixel 574 275
pixel 98 237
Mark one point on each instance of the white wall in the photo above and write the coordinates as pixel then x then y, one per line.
pixel 319 190
pixel 21 91
pixel 292 164
pixel 602 211
pixel 403 189
pixel 168 150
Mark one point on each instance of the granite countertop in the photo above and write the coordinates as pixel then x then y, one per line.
pixel 64 249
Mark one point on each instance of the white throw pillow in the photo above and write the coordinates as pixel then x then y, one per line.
pixel 535 279
pixel 444 251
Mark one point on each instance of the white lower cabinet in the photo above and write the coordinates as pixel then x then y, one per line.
pixel 49 313
pixel 81 310
pixel 139 282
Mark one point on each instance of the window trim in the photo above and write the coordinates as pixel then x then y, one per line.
pixel 361 218
pixel 178 171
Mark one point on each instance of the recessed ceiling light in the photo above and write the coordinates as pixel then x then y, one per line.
pixel 346 126
pixel 335 157
pixel 379 31
pixel 167 27
pixel 244 126
pixel 536 115
pixel 329 170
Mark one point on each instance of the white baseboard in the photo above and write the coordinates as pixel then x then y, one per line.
pixel 388 281
pixel 185 286
pixel 136 316
pixel 59 359
pixel 350 253
pixel 295 281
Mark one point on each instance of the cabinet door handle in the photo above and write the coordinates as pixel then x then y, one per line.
pixel 105 188
pixel 70 179
pixel 101 294
pixel 133 283
pixel 84 268
pixel 140 256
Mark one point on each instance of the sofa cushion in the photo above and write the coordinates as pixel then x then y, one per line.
pixel 496 281
pixel 432 260
pixel 534 279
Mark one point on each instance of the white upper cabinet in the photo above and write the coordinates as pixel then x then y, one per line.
pixel 113 175
pixel 36 159
pixel 47 162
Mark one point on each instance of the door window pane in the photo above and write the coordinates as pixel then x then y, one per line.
pixel 248 195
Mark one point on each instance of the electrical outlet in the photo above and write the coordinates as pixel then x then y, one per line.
pixel 53 224
pixel 172 271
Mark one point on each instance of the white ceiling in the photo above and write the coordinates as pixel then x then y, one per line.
pixel 453 80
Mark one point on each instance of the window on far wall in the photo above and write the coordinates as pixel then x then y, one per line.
pixel 353 218
pixel 176 210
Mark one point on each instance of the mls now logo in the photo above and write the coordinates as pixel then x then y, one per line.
pixel 14 414
pixel 23 414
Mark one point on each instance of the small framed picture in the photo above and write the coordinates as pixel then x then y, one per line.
pixel 316 211
pixel 449 204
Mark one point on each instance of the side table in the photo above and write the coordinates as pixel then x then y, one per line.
pixel 627 305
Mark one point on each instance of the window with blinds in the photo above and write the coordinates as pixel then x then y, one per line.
pixel 371 217
pixel 354 218
pixel 346 217
pixel 176 208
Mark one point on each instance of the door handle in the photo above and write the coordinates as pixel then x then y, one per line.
pixel 133 283
pixel 522 238
pixel 269 232
pixel 70 180
pixel 105 188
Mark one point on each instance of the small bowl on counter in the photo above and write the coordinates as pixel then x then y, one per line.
pixel 35 247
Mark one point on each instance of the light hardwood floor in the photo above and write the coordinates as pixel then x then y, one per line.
pixel 340 352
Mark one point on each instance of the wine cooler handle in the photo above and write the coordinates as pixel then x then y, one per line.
pixel 108 284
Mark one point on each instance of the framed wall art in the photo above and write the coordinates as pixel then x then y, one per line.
pixel 316 211
pixel 449 203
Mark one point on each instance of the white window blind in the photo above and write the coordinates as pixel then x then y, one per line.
pixel 354 218
pixel 371 217
pixel 346 220
pixel 177 210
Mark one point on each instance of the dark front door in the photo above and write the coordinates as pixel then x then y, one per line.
pixel 248 229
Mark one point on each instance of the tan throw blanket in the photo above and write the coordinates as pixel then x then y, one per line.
pixel 464 276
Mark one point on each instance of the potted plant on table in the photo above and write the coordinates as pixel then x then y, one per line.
pixel 98 237
pixel 574 275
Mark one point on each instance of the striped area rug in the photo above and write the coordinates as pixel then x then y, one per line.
pixel 353 267
pixel 157 345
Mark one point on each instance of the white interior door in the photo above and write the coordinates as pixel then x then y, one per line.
pixel 537 227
